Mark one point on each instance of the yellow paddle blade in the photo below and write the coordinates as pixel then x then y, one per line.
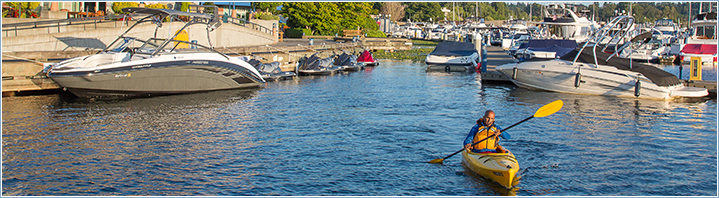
pixel 436 161
pixel 549 109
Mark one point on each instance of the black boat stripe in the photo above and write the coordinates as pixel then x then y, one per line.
pixel 186 63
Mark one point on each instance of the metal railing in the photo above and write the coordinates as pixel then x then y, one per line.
pixel 12 29
pixel 247 24
pixel 214 10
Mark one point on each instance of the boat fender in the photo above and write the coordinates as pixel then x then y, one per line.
pixel 637 88
pixel 446 68
pixel 514 74
pixel 577 79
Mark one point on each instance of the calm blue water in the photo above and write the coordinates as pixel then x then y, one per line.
pixel 363 133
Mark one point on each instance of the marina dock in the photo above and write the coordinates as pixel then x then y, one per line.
pixel 496 57
pixel 26 75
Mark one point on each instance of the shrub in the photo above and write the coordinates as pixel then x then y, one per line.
pixel 297 32
pixel 266 16
pixel 156 6
pixel 118 6
pixel 185 6
pixel 24 9
pixel 375 34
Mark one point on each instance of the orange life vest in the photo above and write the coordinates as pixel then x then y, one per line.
pixel 482 133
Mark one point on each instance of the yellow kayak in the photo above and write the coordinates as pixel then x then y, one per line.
pixel 499 167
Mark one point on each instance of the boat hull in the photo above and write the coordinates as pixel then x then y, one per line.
pixel 451 64
pixel 499 167
pixel 278 76
pixel 372 63
pixel 450 68
pixel 561 76
pixel 156 81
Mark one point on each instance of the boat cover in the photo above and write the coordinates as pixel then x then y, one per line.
pixel 560 46
pixel 271 68
pixel 454 49
pixel 268 68
pixel 345 60
pixel 644 37
pixel 656 75
pixel 366 56
pixel 699 49
pixel 311 63
pixel 255 63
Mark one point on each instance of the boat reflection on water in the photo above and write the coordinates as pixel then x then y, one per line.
pixel 487 186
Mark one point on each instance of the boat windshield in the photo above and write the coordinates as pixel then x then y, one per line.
pixel 125 43
pixel 665 33
pixel 663 22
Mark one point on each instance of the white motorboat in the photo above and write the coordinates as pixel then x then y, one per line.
pixel 703 40
pixel 453 56
pixel 666 29
pixel 131 66
pixel 590 70
pixel 647 47
pixel 563 23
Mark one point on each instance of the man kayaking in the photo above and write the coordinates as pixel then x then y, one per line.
pixel 485 127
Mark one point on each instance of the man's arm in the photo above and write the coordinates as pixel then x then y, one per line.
pixel 470 136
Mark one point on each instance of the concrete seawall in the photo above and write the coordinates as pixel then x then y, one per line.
pixel 227 35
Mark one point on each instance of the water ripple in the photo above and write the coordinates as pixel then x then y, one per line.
pixel 367 133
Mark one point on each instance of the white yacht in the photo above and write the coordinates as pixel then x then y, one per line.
pixel 132 66
pixel 703 40
pixel 590 70
pixel 665 29
pixel 563 23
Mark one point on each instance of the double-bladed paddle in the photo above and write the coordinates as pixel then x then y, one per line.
pixel 545 110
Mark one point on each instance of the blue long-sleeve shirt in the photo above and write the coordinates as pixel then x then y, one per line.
pixel 475 130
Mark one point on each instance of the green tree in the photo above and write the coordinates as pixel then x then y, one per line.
pixel 118 6
pixel 501 11
pixel 268 6
pixel 157 6
pixel 423 11
pixel 329 18
pixel 320 17
pixel 353 14
pixel 185 6
pixel 24 8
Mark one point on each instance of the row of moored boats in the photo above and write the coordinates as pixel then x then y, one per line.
pixel 132 66
pixel 583 58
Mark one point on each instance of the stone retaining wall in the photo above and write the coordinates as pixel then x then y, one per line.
pixel 227 35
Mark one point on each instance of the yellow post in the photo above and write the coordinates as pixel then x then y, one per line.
pixel 695 68
pixel 183 36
